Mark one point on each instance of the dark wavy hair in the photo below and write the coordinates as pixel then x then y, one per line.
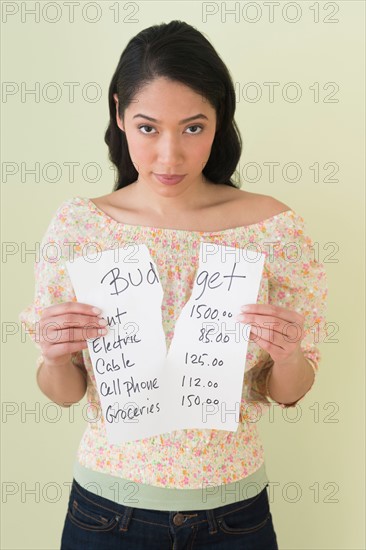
pixel 179 52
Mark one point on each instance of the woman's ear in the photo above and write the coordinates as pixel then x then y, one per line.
pixel 118 120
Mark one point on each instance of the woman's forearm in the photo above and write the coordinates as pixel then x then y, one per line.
pixel 63 384
pixel 290 381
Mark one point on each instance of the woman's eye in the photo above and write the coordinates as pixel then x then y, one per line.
pixel 196 126
pixel 145 126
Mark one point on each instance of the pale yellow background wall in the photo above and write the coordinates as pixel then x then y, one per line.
pixel 315 462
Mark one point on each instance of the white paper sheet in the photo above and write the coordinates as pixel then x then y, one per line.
pixel 143 390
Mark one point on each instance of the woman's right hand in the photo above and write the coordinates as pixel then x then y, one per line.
pixel 64 329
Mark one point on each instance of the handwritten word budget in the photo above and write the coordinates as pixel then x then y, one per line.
pixel 144 389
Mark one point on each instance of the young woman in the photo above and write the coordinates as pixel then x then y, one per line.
pixel 175 145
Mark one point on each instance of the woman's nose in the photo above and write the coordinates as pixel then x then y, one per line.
pixel 170 151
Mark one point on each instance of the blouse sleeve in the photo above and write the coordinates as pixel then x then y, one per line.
pixel 52 283
pixel 298 282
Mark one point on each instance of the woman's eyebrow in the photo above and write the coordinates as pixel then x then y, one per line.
pixel 200 115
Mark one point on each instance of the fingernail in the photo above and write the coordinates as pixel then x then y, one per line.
pixel 96 310
pixel 244 308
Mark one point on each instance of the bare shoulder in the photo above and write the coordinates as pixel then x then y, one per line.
pixel 112 201
pixel 103 200
pixel 256 207
pixel 268 204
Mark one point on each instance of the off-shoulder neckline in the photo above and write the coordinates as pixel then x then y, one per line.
pixel 92 206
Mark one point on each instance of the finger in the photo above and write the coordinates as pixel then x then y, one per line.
pixel 278 324
pixel 272 337
pixel 268 345
pixel 284 334
pixel 271 323
pixel 273 311
pixel 263 321
pixel 71 334
pixel 60 322
pixel 71 307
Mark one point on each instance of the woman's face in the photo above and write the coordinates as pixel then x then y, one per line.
pixel 168 145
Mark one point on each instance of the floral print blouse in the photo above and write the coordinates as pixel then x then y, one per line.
pixel 292 278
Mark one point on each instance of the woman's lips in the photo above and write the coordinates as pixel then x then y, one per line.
pixel 169 180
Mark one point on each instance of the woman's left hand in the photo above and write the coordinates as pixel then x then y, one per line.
pixel 275 329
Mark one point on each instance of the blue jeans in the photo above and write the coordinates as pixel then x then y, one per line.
pixel 97 523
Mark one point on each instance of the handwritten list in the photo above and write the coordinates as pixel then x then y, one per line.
pixel 144 390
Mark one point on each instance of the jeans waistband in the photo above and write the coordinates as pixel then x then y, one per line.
pixel 162 517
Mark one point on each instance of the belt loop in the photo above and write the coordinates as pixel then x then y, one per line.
pixel 212 525
pixel 126 518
